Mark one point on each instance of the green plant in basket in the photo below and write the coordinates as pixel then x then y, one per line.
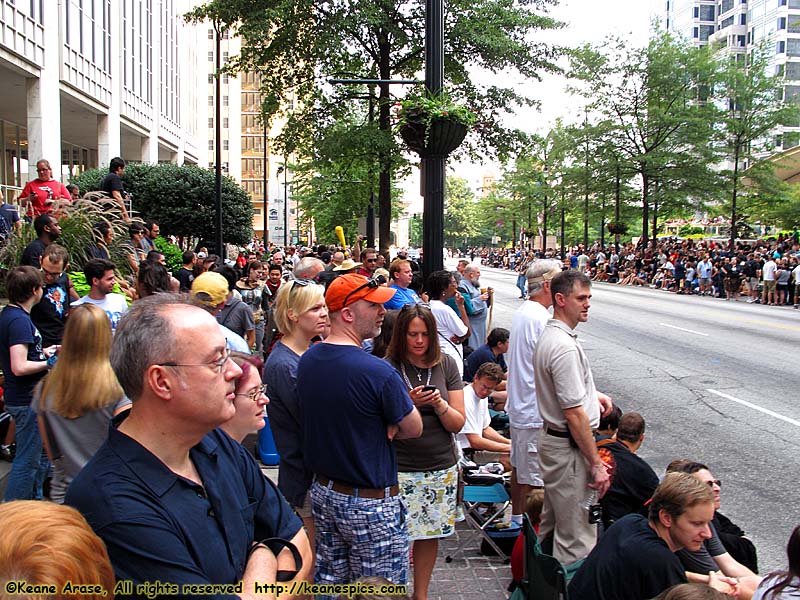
pixel 419 112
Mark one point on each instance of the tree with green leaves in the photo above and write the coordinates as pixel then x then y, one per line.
pixel 181 199
pixel 751 106
pixel 656 99
pixel 460 225
pixel 296 45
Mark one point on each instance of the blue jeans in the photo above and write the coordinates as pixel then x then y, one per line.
pixel 29 468
pixel 522 284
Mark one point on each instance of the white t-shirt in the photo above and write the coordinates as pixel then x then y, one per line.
pixel 476 410
pixel 449 324
pixel 796 275
pixel 768 270
pixel 526 327
pixel 114 305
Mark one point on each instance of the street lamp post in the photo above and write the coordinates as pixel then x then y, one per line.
pixel 218 154
pixel 284 170
pixel 266 216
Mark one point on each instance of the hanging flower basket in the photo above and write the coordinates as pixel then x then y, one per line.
pixel 617 228
pixel 433 125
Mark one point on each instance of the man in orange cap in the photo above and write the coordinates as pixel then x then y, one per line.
pixel 353 406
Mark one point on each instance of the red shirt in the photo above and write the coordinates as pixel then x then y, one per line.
pixel 44 191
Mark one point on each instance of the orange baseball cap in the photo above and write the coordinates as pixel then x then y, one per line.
pixel 349 288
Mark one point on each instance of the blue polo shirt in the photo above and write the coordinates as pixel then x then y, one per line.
pixel 480 355
pixel 402 296
pixel 160 526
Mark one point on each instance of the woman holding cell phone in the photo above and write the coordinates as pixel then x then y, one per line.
pixel 428 471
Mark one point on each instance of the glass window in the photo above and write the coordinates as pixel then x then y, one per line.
pixel 211 56
pixel 225 122
pixel 742 19
pixel 224 101
pixel 794 24
pixel 211 100
pixel 790 92
pixel 725 6
pixel 792 70
pixel 726 23
pixel 792 47
pixel 705 32
pixel 794 3
pixel 707 13
pixel 210 147
pixel 225 145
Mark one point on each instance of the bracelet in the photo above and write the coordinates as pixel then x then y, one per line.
pixel 447 407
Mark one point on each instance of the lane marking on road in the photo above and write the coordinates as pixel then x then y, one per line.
pixel 766 411
pixel 682 329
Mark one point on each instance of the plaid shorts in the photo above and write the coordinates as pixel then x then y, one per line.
pixel 357 537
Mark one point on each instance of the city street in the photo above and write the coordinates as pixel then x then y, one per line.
pixel 716 382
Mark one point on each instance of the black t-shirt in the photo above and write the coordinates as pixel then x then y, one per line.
pixel 50 315
pixel 630 562
pixel 633 483
pixel 112 183
pixel 185 277
pixel 32 253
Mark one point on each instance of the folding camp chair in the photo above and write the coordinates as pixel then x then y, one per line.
pixel 474 498
pixel 545 577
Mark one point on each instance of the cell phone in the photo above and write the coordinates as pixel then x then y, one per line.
pixel 429 388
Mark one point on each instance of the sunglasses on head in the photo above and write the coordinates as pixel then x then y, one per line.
pixel 373 283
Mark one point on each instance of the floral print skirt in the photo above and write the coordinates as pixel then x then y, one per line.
pixel 431 498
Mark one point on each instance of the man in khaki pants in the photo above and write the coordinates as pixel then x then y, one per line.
pixel 570 407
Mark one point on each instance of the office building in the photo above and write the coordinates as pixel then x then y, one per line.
pixel 84 81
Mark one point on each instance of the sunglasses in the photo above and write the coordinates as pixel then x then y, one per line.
pixel 714 482
pixel 372 284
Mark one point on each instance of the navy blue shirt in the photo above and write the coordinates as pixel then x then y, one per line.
pixel 285 420
pixel 630 562
pixel 348 400
pixel 482 355
pixel 16 328
pixel 160 526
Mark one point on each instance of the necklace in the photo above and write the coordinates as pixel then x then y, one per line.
pixel 419 375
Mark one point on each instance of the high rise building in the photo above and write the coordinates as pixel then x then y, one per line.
pixel 84 81
pixel 246 151
pixel 739 27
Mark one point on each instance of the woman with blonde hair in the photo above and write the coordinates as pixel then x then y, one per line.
pixel 300 315
pixel 427 469
pixel 79 396
pixel 50 545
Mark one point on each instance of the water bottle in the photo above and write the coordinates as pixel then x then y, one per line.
pixel 592 507
pixel 590 500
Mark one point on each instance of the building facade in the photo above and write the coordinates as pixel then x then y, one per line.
pixel 86 80
pixel 739 27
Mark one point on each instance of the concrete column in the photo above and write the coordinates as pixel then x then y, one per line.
pixel 109 142
pixel 150 148
pixel 44 106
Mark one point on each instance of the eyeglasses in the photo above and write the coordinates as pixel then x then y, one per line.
pixel 373 283
pixel 217 364
pixel 256 393
pixel 51 273
pixel 714 482
pixel 371 260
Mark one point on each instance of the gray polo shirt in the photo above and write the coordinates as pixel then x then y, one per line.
pixel 563 376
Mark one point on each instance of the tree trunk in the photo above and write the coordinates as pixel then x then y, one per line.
pixel 616 208
pixel 645 207
pixel 655 212
pixel 544 225
pixel 734 216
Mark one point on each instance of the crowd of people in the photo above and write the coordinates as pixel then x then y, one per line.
pixel 763 271
pixel 132 407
